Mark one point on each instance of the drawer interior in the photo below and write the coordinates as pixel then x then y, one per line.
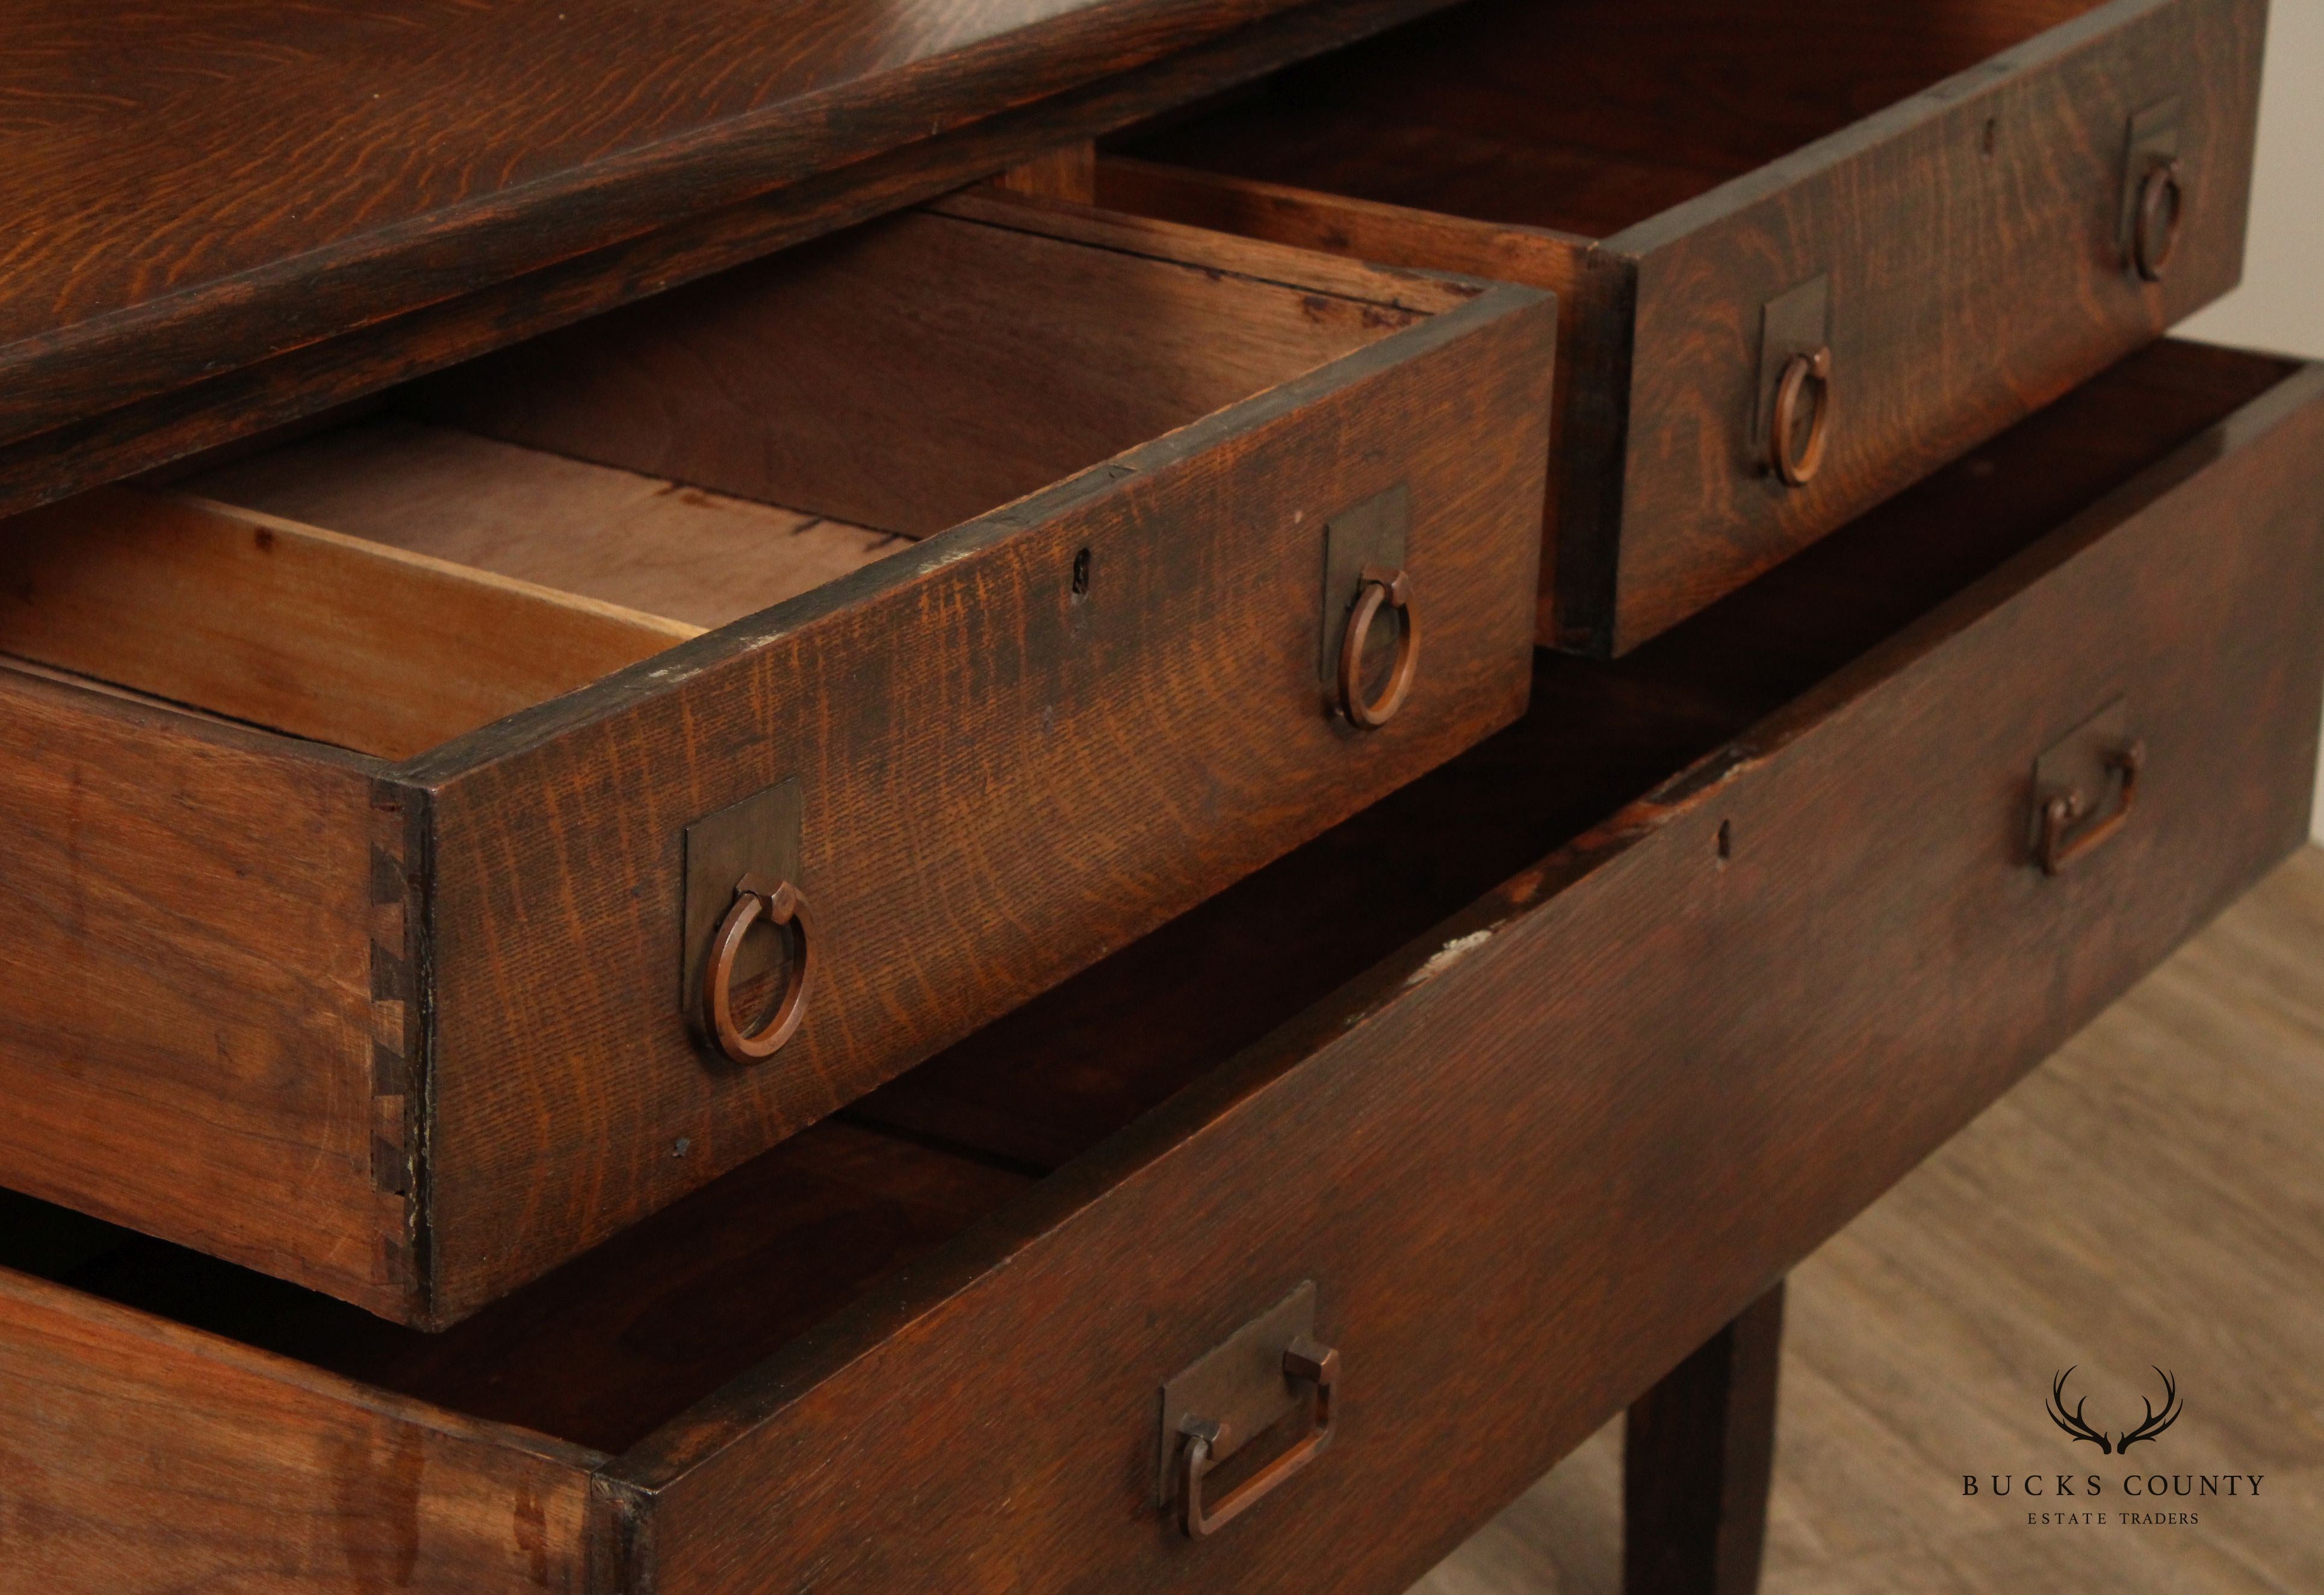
pixel 1583 117
pixel 513 528
pixel 621 1339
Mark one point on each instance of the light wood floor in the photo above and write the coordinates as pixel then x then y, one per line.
pixel 2154 1194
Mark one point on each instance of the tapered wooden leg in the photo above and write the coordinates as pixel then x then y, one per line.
pixel 1696 1457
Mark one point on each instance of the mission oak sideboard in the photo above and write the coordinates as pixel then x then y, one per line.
pixel 1084 796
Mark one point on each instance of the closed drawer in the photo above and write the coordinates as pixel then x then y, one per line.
pixel 378 802
pixel 1535 1081
pixel 1943 198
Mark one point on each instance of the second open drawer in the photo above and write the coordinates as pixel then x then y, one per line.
pixel 391 809
pixel 1806 252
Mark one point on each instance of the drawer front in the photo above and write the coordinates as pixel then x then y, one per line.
pixel 1968 247
pixel 1013 750
pixel 1532 1160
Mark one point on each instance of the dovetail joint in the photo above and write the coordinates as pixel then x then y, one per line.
pixel 395 1021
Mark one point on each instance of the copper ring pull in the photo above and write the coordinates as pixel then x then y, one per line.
pixel 1304 1361
pixel 2154 231
pixel 779 904
pixel 2060 844
pixel 1381 589
pixel 1798 465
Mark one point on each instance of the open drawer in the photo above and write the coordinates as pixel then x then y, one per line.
pixel 1806 251
pixel 1536 1073
pixel 380 802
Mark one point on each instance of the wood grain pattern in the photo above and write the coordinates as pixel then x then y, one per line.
pixel 187 1043
pixel 1050 1080
pixel 652 150
pixel 2031 301
pixel 608 1349
pixel 984 1414
pixel 1656 102
pixel 1033 781
pixel 1698 1450
pixel 641 542
pixel 1390 290
pixel 1596 736
pixel 296 628
pixel 1973 280
pixel 1067 174
pixel 1081 764
pixel 916 373
pixel 138 1455
pixel 1596 290
pixel 1345 1146
pixel 534 143
pixel 2187 1114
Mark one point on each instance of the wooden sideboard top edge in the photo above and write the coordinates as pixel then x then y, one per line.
pixel 245 184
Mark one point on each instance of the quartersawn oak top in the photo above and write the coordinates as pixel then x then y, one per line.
pixel 197 186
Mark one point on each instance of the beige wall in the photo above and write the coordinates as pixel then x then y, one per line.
pixel 2281 304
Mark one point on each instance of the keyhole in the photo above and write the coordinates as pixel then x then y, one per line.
pixel 1081 576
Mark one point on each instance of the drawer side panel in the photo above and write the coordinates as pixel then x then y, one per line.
pixel 187 930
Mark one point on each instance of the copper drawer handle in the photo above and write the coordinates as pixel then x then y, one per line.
pixel 780 904
pixel 2154 232
pixel 1304 1360
pixel 2060 844
pixel 1381 589
pixel 1798 463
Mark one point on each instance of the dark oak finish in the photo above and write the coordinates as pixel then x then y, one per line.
pixel 1465 1061
pixel 1008 768
pixel 913 373
pixel 1875 960
pixel 140 1455
pixel 588 534
pixel 293 627
pixel 494 176
pixel 1111 763
pixel 1067 174
pixel 1671 168
pixel 1524 792
pixel 188 942
pixel 1698 1452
